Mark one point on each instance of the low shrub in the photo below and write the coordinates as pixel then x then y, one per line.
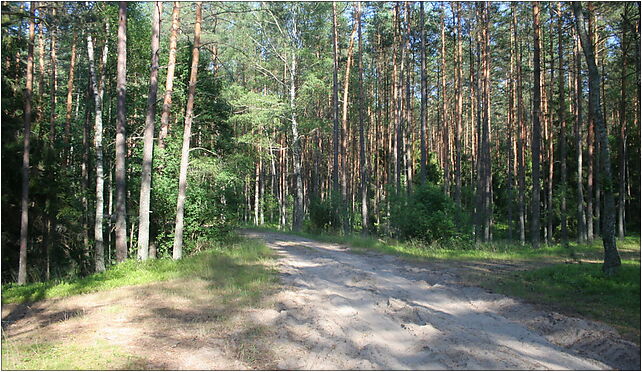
pixel 326 215
pixel 427 215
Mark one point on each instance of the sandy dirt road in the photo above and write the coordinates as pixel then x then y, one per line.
pixel 334 310
pixel 344 311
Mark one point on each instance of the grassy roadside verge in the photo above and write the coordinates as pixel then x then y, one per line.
pixel 224 263
pixel 577 290
pixel 216 284
pixel 69 356
pixel 565 279
pixel 629 248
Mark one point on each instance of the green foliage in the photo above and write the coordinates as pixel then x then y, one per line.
pixel 582 289
pixel 67 356
pixel 427 214
pixel 326 215
pixel 224 263
pixel 212 199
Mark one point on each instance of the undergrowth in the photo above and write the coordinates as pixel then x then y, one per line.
pixel 68 356
pixel 229 264
pixel 461 249
pixel 580 289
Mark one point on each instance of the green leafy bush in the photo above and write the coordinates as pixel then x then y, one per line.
pixel 427 214
pixel 325 215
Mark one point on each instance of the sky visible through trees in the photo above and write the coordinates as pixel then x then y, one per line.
pixel 145 130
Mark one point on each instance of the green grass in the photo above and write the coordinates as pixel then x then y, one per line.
pixel 629 248
pixel 234 274
pixel 68 356
pixel 580 289
pixel 235 265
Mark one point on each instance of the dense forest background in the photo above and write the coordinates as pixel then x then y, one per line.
pixel 139 130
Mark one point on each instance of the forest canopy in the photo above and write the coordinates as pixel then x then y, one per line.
pixel 152 129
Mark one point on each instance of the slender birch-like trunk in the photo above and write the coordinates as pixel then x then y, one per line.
pixel 148 141
pixel 177 252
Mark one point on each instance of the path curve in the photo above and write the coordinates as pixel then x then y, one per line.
pixel 370 311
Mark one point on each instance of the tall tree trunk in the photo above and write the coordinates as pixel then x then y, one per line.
pixel 362 139
pixel 97 89
pixel 169 82
pixel 424 157
pixel 535 154
pixel 488 196
pixel 50 152
pixel 581 216
pixel 335 102
pixel 562 119
pixel 511 132
pixel 396 100
pixel 121 139
pixel 473 104
pixel 70 95
pixel 458 107
pixel 54 85
pixel 622 139
pixel 611 256
pixel 177 252
pixel 593 229
pixel 344 132
pixel 479 197
pixel 148 141
pixel 521 139
pixel 550 154
pixel 297 221
pixel 24 201
pixel 406 129
pixel 261 191
pixel 41 61
pixel 257 200
pixel 483 197
pixel 590 139
pixel 84 174
pixel 442 98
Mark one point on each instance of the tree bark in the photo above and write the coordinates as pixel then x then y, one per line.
pixel 535 154
pixel 442 98
pixel 511 132
pixel 148 141
pixel 41 62
pixel 562 119
pixel 297 222
pixel 424 157
pixel 169 82
pixel 396 101
pixel 362 139
pixel 484 197
pixel 97 90
pixel 623 121
pixel 70 95
pixel 521 137
pixel 344 132
pixel 550 153
pixel 611 256
pixel 121 140
pixel 581 216
pixel 458 107
pixel 335 102
pixel 84 174
pixel 177 252
pixel 24 201
pixel 54 85
pixel 488 196
pixel 257 200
